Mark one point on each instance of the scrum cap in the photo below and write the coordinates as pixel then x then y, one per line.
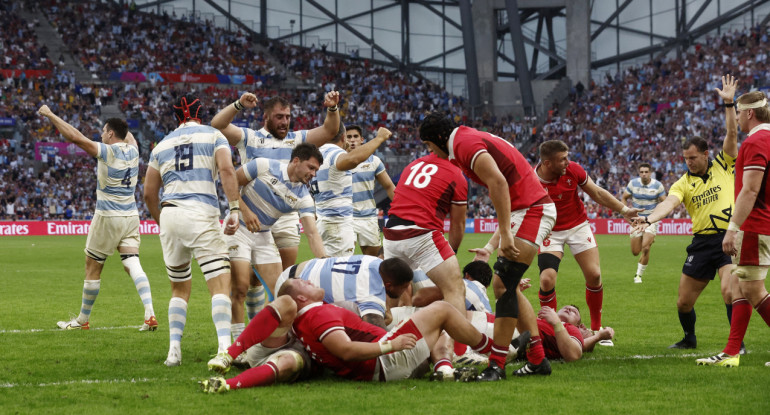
pixel 186 108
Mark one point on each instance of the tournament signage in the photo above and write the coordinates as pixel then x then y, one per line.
pixel 185 77
pixel 598 226
pixel 60 149
pixel 65 227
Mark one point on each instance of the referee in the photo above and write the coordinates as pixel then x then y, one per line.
pixel 707 191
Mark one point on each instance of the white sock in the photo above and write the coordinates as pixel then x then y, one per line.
pixel 222 314
pixel 236 329
pixel 177 318
pixel 90 291
pixel 142 284
pixel 640 269
pixel 255 300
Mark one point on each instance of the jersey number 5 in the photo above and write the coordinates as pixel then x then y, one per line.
pixel 421 174
pixel 183 157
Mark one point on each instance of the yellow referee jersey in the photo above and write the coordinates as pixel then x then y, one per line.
pixel 709 199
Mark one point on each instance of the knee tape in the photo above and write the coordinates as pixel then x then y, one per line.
pixel 510 272
pixel 214 267
pixel 179 275
pixel 545 261
pixel 508 304
pixel 293 358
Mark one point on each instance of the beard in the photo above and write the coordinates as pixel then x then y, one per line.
pixel 272 128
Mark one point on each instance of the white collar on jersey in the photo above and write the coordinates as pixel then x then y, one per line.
pixel 309 307
pixel 763 126
pixel 450 144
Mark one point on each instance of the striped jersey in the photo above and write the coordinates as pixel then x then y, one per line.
pixel 355 278
pixel 186 163
pixel 476 298
pixel 645 196
pixel 116 173
pixel 333 188
pixel 270 193
pixel 261 143
pixel 364 174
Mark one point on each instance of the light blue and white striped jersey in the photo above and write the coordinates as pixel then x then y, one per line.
pixel 355 278
pixel 262 144
pixel 645 196
pixel 332 188
pixel 364 205
pixel 185 160
pixel 270 194
pixel 476 298
pixel 116 174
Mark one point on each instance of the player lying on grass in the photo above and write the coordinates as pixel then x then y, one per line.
pixel 340 341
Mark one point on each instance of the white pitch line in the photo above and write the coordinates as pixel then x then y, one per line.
pixel 649 357
pixel 45 330
pixel 81 381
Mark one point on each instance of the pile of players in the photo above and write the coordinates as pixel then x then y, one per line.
pixel 333 311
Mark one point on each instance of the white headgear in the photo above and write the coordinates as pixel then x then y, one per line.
pixel 758 104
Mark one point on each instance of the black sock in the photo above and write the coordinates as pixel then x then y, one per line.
pixel 687 320
pixel 729 308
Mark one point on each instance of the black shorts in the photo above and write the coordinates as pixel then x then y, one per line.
pixel 705 257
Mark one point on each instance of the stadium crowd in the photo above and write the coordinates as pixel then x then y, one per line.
pixel 641 114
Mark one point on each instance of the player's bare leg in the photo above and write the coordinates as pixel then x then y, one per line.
pixel 370 250
pixel 288 256
pixel 448 277
pixel 240 276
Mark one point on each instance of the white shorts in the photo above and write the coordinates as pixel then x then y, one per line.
pixel 286 231
pixel 107 233
pixel 534 223
pixel 425 251
pixel 185 233
pixel 255 248
pixel 401 365
pixel 652 230
pixel 753 257
pixel 337 235
pixel 258 355
pixel 579 239
pixel 367 231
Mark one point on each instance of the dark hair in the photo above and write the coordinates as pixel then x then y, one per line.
pixel 305 151
pixel 644 165
pixel 699 143
pixel 186 108
pixel 479 271
pixel 340 134
pixel 273 102
pixel 396 271
pixel 118 126
pixel 355 127
pixel 551 147
pixel 436 128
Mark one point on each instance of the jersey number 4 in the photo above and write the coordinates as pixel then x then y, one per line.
pixel 421 174
pixel 183 157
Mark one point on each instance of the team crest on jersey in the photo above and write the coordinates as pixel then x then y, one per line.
pixel 559 196
pixel 291 199
pixel 569 182
pixel 363 166
pixel 289 143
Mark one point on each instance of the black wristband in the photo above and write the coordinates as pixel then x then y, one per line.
pixel 333 109
pixel 728 105
pixel 238 106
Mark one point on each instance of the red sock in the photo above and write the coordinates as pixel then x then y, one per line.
pixel 738 325
pixel 485 346
pixel 547 298
pixel 535 351
pixel 256 376
pixel 460 348
pixel 259 328
pixel 763 308
pixel 440 363
pixel 497 354
pixel 594 299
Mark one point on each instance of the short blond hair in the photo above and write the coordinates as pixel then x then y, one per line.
pixel 762 113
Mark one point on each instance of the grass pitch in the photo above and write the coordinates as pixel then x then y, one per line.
pixel 113 368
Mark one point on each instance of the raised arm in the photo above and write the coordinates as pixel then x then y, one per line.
pixel 352 159
pixel 69 132
pixel 222 121
pixel 727 93
pixel 321 135
pixel 131 140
